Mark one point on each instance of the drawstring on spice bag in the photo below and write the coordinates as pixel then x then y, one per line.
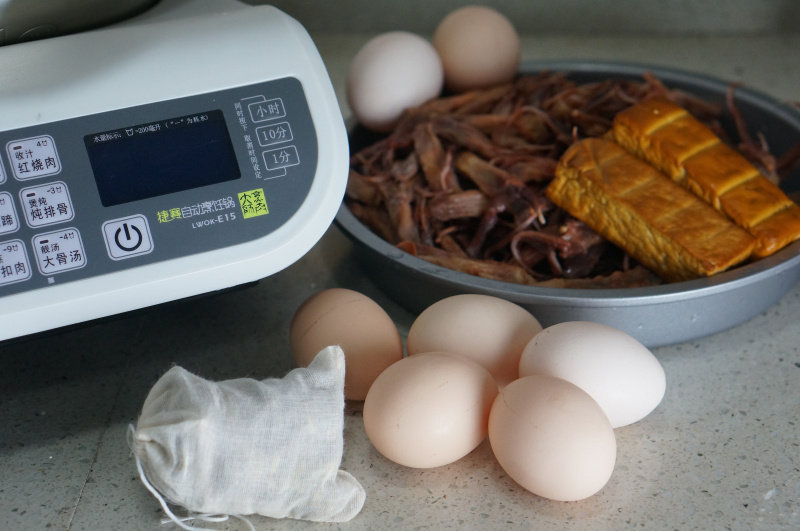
pixel 172 517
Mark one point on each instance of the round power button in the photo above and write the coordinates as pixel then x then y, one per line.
pixel 127 237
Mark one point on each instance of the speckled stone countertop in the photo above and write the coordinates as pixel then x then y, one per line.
pixel 722 451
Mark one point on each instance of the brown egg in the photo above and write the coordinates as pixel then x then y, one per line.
pixel 368 336
pixel 479 48
pixel 489 330
pixel 552 438
pixel 429 410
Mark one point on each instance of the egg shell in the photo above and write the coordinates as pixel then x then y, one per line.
pixel 429 410
pixel 552 438
pixel 391 73
pixel 368 336
pixel 486 329
pixel 620 373
pixel 479 47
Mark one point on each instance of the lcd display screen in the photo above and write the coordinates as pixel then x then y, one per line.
pixel 162 157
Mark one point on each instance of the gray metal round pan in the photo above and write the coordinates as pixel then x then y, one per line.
pixel 657 315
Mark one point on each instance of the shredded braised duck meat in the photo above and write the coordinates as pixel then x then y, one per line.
pixel 460 181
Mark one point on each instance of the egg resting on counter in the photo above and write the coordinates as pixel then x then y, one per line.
pixel 368 336
pixel 486 329
pixel 552 438
pixel 429 410
pixel 479 48
pixel 391 73
pixel 620 373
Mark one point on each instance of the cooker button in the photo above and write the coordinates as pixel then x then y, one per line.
pixel 127 237
pixel 14 264
pixel 34 157
pixel 9 222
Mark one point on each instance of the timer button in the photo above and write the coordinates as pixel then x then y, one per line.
pixel 127 237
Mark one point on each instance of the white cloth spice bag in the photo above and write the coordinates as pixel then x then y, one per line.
pixel 242 447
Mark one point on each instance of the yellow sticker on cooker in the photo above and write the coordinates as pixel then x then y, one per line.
pixel 253 203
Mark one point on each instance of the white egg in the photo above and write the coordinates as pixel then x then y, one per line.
pixel 615 369
pixel 391 73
